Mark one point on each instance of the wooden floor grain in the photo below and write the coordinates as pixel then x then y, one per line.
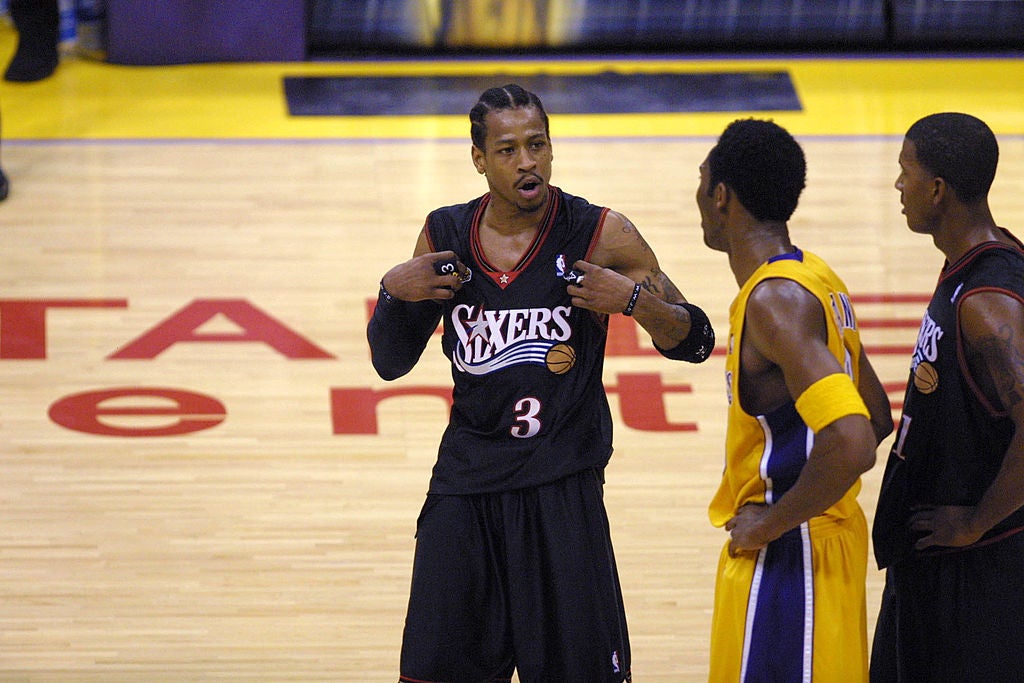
pixel 275 543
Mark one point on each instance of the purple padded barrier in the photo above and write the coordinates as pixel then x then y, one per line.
pixel 189 31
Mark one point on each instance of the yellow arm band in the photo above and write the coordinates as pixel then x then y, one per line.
pixel 829 399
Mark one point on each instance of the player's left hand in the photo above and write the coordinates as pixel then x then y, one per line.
pixel 600 289
pixel 745 529
pixel 946 525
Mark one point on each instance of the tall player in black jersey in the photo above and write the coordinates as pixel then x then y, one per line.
pixel 514 569
pixel 949 518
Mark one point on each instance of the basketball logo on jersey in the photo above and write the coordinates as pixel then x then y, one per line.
pixel 560 358
pixel 926 377
pixel 495 340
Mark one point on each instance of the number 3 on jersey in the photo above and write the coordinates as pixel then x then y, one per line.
pixel 526 423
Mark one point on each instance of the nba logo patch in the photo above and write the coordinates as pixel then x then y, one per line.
pixel 572 275
pixel 560 265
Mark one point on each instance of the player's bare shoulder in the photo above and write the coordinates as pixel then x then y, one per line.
pixel 620 244
pixel 618 231
pixel 782 315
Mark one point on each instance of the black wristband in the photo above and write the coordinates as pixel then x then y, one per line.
pixel 385 296
pixel 628 310
pixel 699 343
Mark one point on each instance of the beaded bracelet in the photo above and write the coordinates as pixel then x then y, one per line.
pixel 628 310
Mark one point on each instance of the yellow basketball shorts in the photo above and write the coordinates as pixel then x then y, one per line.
pixel 796 611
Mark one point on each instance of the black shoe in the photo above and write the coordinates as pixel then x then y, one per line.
pixel 31 63
pixel 38 25
pixel 5 186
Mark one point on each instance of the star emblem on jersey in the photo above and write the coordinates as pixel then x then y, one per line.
pixel 504 278
pixel 477 327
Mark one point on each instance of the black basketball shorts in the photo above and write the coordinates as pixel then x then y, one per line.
pixel 521 580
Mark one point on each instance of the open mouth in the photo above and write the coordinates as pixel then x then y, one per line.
pixel 529 189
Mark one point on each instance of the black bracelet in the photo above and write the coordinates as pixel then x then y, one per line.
pixel 628 310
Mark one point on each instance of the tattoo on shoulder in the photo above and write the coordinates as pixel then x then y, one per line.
pixel 630 229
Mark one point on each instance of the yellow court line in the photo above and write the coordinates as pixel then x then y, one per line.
pixel 88 99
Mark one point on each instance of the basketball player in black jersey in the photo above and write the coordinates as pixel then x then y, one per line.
pixel 514 569
pixel 949 518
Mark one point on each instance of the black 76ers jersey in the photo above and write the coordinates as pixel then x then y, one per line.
pixel 950 442
pixel 529 401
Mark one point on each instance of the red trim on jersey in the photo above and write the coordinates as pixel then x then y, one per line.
pixel 503 278
pixel 597 234
pixel 426 232
pixel 952 268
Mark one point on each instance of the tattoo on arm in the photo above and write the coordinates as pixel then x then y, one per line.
pixel 657 283
pixel 672 326
pixel 672 292
pixel 1008 377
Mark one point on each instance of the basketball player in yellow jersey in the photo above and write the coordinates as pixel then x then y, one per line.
pixel 806 413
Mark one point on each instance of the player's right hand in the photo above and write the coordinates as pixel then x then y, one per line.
pixel 435 275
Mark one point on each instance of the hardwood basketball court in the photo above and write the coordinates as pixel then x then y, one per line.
pixel 202 479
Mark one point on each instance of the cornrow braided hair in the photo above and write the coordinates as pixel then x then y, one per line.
pixel 509 96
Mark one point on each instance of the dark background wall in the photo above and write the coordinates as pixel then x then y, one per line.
pixel 339 25
pixel 178 31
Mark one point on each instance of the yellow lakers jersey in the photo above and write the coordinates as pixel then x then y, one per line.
pixel 764 454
